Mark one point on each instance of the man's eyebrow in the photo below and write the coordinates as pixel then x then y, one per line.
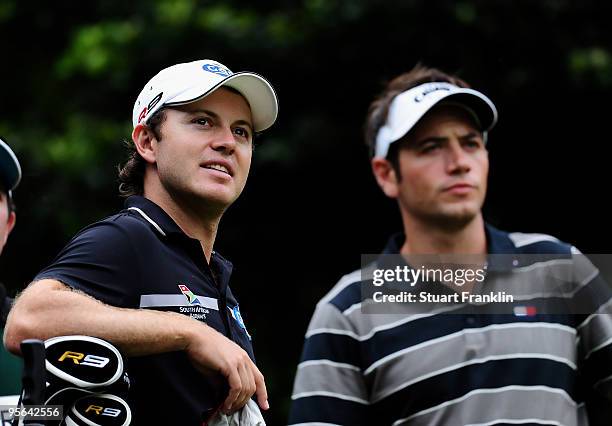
pixel 423 141
pixel 470 135
pixel 201 111
pixel 245 123
pixel 216 116
pixel 442 139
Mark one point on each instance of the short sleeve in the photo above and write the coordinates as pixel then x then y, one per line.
pixel 595 329
pixel 100 261
pixel 329 387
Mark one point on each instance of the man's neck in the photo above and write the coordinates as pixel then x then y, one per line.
pixel 200 224
pixel 425 238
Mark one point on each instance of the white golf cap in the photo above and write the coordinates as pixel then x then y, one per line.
pixel 410 106
pixel 10 170
pixel 191 81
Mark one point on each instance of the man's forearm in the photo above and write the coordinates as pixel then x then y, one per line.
pixel 48 308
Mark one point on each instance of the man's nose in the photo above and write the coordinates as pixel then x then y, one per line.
pixel 224 141
pixel 457 159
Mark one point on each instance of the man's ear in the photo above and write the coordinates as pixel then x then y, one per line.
pixel 145 143
pixel 11 222
pixel 12 218
pixel 385 176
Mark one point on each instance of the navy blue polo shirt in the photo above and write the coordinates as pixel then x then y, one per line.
pixel 140 258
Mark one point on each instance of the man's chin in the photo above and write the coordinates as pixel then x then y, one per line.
pixel 216 198
pixel 220 199
pixel 454 219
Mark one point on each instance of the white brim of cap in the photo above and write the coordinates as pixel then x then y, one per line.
pixel 405 112
pixel 256 90
pixel 10 169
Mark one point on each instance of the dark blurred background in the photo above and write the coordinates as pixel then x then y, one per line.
pixel 72 70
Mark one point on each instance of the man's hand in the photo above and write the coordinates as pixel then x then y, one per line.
pixel 210 350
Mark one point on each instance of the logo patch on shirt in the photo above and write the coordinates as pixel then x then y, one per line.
pixel 235 311
pixel 191 298
pixel 525 311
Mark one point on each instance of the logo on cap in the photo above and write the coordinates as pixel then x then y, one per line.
pixel 149 107
pixel 431 88
pixel 155 100
pixel 217 69
pixel 142 114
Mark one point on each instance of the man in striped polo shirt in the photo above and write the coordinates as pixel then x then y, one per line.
pixel 527 364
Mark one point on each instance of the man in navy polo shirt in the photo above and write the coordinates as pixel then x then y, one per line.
pixel 189 351
pixel 405 364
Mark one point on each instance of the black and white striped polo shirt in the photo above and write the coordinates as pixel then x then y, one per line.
pixel 462 369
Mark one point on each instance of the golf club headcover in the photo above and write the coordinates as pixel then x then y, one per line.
pixel 84 362
pixel 99 410
pixel 81 366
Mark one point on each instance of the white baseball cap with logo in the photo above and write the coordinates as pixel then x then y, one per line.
pixel 409 107
pixel 188 82
pixel 10 170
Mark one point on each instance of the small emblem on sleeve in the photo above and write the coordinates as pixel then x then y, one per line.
pixel 235 311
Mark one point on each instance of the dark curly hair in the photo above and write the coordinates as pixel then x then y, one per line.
pixel 131 174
